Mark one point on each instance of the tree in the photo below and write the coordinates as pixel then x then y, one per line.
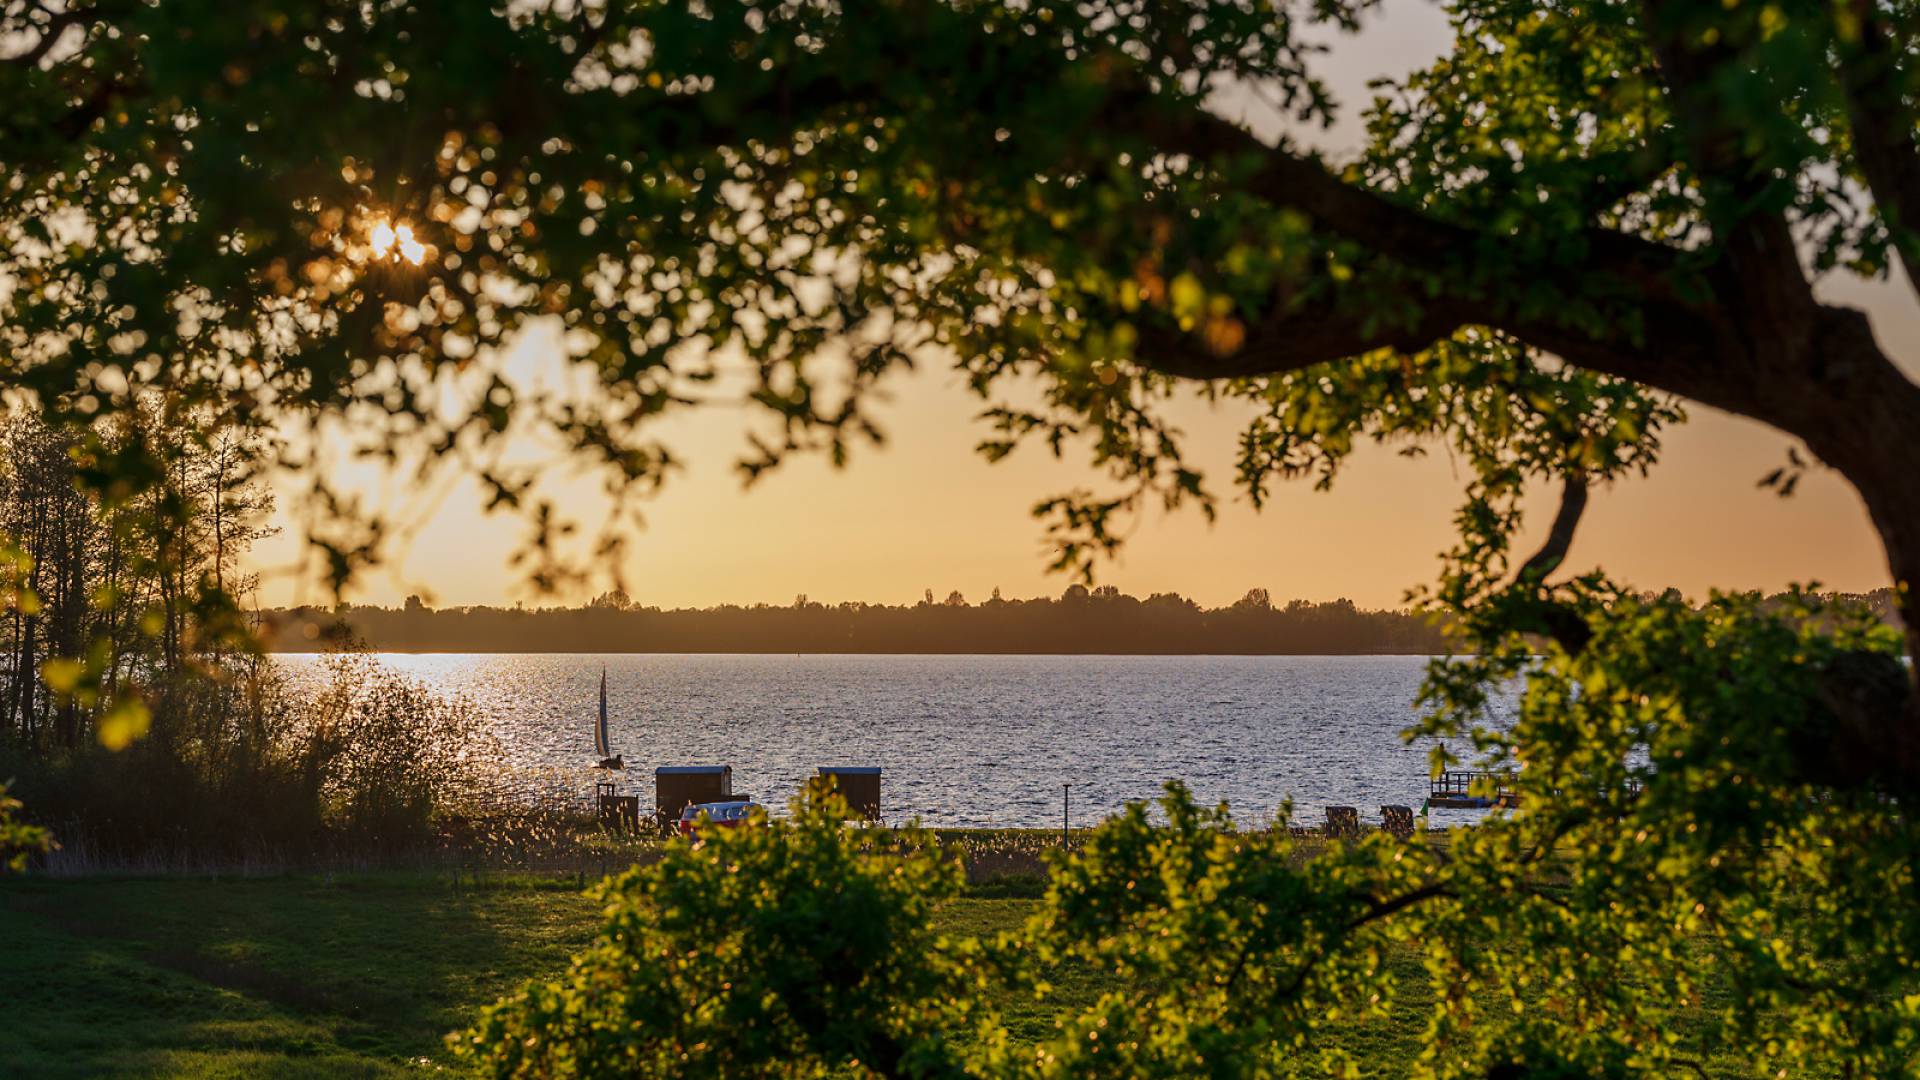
pixel 115 592
pixel 1618 204
pixel 57 538
pixel 618 600
pixel 1581 216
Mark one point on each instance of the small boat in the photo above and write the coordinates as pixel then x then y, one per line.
pixel 602 745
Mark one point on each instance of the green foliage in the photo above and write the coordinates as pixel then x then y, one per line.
pixel 1705 917
pixel 1670 828
pixel 387 760
pixel 1233 948
pixel 19 841
pixel 793 950
pixel 778 205
pixel 249 768
pixel 745 203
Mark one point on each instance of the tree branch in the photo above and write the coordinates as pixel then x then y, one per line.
pixel 1883 142
pixel 1691 359
pixel 1376 909
pixel 1573 503
pixel 1365 216
pixel 1700 352
pixel 1290 340
pixel 96 105
pixel 1380 909
pixel 1558 621
pixel 1744 194
pixel 1697 324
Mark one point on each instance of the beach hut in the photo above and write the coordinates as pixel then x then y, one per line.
pixel 858 784
pixel 677 786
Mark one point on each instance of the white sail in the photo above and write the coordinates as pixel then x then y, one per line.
pixel 601 745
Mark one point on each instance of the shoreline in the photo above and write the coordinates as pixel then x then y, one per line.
pixel 386 650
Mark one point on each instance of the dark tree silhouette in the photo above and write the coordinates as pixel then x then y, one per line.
pixel 1106 621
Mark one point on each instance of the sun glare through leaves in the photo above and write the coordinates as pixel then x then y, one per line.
pixel 391 241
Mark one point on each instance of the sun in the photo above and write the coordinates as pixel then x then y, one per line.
pixel 396 242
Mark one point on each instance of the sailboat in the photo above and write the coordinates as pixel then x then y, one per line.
pixel 602 745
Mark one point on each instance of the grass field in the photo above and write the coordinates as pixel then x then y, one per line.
pixel 300 976
pixel 290 976
pixel 362 975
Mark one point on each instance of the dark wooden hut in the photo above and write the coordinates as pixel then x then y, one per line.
pixel 858 784
pixel 678 786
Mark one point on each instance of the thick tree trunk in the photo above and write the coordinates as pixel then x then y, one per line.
pixel 1861 415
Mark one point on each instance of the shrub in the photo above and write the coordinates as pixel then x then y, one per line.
pixel 18 840
pixel 794 949
pixel 1604 931
pixel 241 765
pixel 805 948
pixel 387 757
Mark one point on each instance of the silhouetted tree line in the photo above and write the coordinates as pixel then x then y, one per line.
pixel 1080 620
pixel 1101 620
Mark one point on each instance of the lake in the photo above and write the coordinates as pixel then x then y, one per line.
pixel 969 740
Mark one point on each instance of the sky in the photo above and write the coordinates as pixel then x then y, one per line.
pixel 927 513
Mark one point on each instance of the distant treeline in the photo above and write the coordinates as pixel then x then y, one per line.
pixel 1101 620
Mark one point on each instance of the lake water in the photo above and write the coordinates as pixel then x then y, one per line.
pixel 970 740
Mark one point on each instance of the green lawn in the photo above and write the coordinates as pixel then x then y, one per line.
pixel 355 976
pixel 295 976
pixel 362 975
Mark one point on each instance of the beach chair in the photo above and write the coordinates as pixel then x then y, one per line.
pixel 1343 821
pixel 1397 821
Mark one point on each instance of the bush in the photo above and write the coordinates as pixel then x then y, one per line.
pixel 241 765
pixel 793 949
pixel 1603 932
pixel 18 841
pixel 805 948
pixel 388 758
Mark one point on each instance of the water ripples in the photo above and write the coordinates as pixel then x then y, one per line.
pixel 968 740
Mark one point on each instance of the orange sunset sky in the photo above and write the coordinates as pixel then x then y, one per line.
pixel 925 512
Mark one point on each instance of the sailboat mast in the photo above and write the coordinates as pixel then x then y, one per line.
pixel 601 744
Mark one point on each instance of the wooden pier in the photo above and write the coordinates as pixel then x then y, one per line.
pixel 1464 790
